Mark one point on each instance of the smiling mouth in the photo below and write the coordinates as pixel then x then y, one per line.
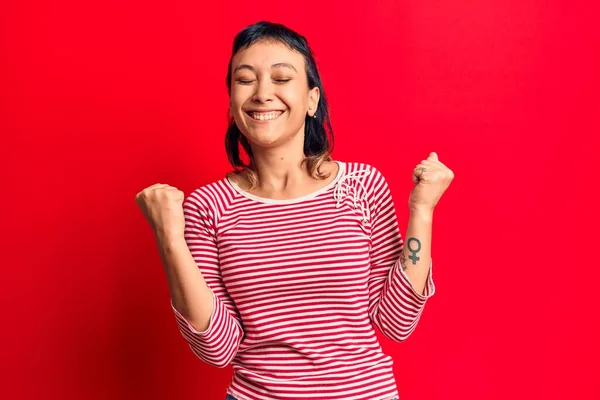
pixel 264 115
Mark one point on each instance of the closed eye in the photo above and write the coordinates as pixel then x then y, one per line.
pixel 248 82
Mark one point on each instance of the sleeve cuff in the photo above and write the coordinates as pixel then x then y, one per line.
pixel 184 323
pixel 429 285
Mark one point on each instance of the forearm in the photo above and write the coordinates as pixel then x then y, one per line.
pixel 190 294
pixel 416 254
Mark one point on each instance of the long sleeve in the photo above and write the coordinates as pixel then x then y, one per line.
pixel 395 307
pixel 219 343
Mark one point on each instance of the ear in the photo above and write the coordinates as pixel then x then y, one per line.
pixel 313 99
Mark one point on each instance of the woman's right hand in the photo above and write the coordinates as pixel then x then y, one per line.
pixel 162 206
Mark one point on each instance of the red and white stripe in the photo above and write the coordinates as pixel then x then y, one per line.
pixel 298 285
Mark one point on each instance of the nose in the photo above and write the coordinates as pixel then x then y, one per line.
pixel 264 91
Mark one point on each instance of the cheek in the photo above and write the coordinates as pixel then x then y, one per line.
pixel 294 99
pixel 236 99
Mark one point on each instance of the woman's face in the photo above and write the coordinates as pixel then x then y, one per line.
pixel 269 93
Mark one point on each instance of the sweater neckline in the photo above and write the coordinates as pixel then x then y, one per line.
pixel 267 200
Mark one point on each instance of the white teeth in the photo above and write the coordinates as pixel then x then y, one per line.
pixel 262 116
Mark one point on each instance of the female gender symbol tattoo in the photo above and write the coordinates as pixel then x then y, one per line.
pixel 414 252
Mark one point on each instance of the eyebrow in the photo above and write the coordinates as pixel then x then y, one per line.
pixel 278 65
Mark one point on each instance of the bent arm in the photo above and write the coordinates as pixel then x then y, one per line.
pixel 190 295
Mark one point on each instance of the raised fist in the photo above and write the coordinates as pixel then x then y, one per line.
pixel 162 206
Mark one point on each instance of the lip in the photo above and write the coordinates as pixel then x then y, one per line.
pixel 266 121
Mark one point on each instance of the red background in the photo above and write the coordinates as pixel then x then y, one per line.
pixel 102 99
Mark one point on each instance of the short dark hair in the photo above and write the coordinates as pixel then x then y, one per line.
pixel 318 133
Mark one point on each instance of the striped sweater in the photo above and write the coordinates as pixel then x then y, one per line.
pixel 298 286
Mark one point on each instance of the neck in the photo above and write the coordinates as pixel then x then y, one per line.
pixel 281 167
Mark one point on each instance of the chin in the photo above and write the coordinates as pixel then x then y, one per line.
pixel 265 141
pixel 262 139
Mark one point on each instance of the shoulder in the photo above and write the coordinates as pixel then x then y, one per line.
pixel 371 174
pixel 372 180
pixel 210 198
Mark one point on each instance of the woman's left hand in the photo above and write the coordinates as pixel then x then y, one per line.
pixel 431 179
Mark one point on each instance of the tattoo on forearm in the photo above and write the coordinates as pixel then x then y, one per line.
pixel 403 261
pixel 413 252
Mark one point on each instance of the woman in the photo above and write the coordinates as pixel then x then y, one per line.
pixel 282 268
